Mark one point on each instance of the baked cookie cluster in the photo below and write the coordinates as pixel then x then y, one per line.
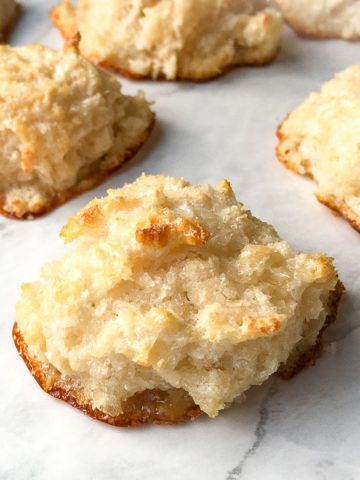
pixel 174 299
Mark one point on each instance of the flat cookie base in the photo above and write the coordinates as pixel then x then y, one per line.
pixel 148 407
pixel 206 78
pixel 156 406
pixel 83 186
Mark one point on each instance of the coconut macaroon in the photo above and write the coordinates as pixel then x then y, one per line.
pixel 171 39
pixel 320 140
pixel 9 11
pixel 64 126
pixel 325 19
pixel 173 301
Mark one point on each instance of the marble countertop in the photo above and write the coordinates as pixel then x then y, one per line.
pixel 307 428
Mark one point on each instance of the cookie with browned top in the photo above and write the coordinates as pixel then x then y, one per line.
pixel 173 301
pixel 171 39
pixel 64 126
pixel 319 139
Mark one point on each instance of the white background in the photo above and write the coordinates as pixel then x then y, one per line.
pixel 308 428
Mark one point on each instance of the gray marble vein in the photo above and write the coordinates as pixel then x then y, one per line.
pixel 237 472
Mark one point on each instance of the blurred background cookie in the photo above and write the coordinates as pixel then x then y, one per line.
pixel 325 19
pixel 64 126
pixel 171 39
pixel 173 301
pixel 320 139
pixel 9 11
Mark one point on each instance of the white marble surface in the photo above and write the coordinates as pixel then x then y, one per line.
pixel 305 429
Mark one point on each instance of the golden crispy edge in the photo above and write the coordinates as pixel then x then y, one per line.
pixel 156 406
pixel 340 208
pixel 300 360
pixel 83 186
pixel 332 202
pixel 148 407
pixel 8 29
pixel 72 41
pixel 59 15
pixel 198 79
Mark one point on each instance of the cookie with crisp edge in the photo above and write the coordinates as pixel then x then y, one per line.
pixel 148 407
pixel 63 17
pixel 156 406
pixel 155 220
pixel 82 187
pixel 28 151
pixel 335 204
pixel 318 140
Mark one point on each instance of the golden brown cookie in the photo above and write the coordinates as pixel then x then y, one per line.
pixel 149 406
pixel 171 288
pixel 171 39
pixel 64 126
pixel 319 139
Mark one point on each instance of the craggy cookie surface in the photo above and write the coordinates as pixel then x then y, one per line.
pixel 320 139
pixel 64 125
pixel 176 288
pixel 191 39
